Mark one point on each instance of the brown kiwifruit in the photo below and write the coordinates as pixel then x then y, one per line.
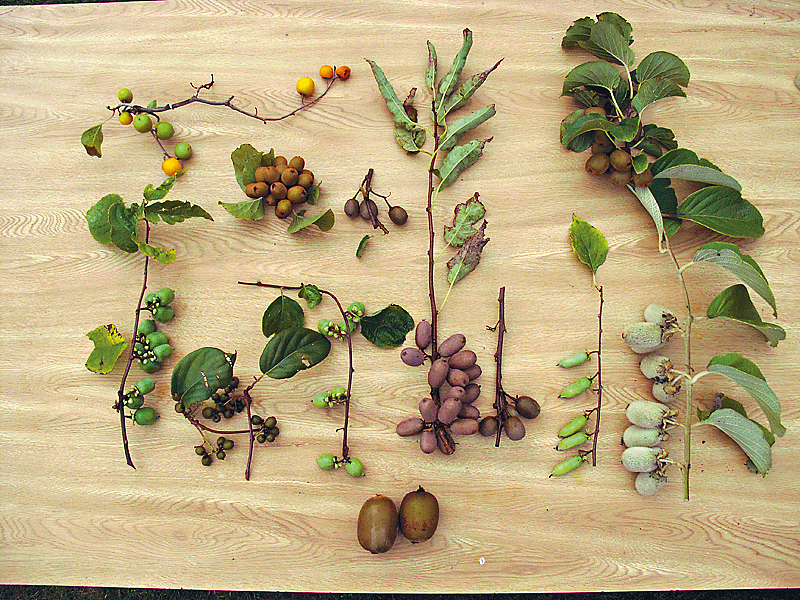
pixel 257 189
pixel 368 206
pixel 260 173
pixel 620 178
pixel 620 160
pixel 297 194
pixel 419 515
pixel 306 179
pixel 398 215
pixel 595 110
pixel 643 179
pixel 298 163
pixel 270 174
pixel 279 160
pixel 278 190
pixel 351 208
pixel 283 208
pixel 377 524
pixel 598 164
pixel 271 200
pixel 289 177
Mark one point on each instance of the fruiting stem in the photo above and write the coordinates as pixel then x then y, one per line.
pixel 599 377
pixel 431 289
pixel 500 403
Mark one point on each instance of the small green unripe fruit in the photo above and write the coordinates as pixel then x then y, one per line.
pixel 354 467
pixel 165 295
pixel 164 130
pixel 163 352
pixel 573 426
pixel 642 459
pixel 326 462
pixel 650 483
pixel 125 96
pixel 655 313
pixel 656 367
pixel 134 402
pixel 156 339
pixel 145 386
pixel 645 337
pixel 145 416
pixel 620 160
pixel 573 360
pixel 146 327
pixel 643 436
pixel 183 150
pixel 149 366
pixel 142 123
pixel 647 414
pixel 576 439
pixel 597 164
pixel 568 465
pixel 163 314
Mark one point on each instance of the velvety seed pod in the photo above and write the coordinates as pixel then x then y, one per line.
pixel 457 377
pixel 650 483
pixel 471 393
pixel 428 410
pixel 423 335
pixel 641 436
pixel 411 426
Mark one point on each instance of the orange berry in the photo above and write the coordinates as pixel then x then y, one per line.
pixel 326 71
pixel 343 72
pixel 171 166
pixel 125 118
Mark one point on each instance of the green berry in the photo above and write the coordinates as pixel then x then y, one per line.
pixel 139 348
pixel 324 326
pixel 261 438
pixel 142 123
pixel 146 327
pixel 270 422
pixel 256 420
pixel 206 461
pixel 165 296
pixel 355 467
pixel 270 437
pixel 164 130
pixel 145 386
pixel 576 439
pixel 183 150
pixel 326 462
pixel 221 454
pixel 163 314
pixel 320 400
pixel 125 96
pixel 135 401
pixel 357 309
pixel 200 450
pixel 573 360
pixel 220 441
pixel 150 299
pixel 145 416
pixel 573 426
pixel 149 366
pixel 576 387
pixel 156 339
pixel 228 445
pixel 645 337
pixel 163 352
pixel 339 392
pixel 216 417
pixel 568 465
pixel 208 412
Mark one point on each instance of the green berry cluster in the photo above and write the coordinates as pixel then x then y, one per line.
pixel 159 305
pixel 223 445
pixel 134 400
pixel 151 347
pixel 225 403
pixel 268 428
pixel 354 313
pixel 332 397
pixel 353 466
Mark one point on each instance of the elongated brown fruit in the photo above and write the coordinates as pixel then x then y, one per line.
pixel 377 524
pixel 419 515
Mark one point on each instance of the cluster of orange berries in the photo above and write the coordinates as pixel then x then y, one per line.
pixel 305 85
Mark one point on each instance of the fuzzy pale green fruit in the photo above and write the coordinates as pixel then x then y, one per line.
pixel 656 367
pixel 643 459
pixel 666 392
pixel 643 436
pixel 645 337
pixel 655 313
pixel 647 414
pixel 648 484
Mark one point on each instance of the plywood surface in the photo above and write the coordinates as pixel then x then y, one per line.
pixel 72 512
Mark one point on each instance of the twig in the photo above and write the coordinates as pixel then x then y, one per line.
pixel 500 402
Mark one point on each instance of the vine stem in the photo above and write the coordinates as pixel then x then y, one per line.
pixel 596 434
pixel 500 395
pixel 431 259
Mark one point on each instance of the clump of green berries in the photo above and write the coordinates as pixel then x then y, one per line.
pixel 151 347
pixel 134 400
pixel 330 398
pixel 224 403
pixel 354 313
pixel 353 466
pixel 159 305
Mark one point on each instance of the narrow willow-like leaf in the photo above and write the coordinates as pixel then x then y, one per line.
pixel 153 194
pixel 458 160
pixel 449 81
pixel 700 173
pixel 201 373
pixel 282 313
pixel 606 42
pixel 362 245
pixel 578 32
pixel 664 65
pixel 174 211
pixel 92 139
pixel 388 327
pixel 293 350
pixel 728 256
pixel 465 215
pixel 457 129
pixel 393 103
pixel 747 435
pixel 99 220
pixel 722 209
pixel 124 227
pixel 465 91
pixel 734 303
pixel 653 90
pixel 593 73
pixel 325 221
pixel 246 160
pixel 745 373
pixel 468 256
pixel 311 294
pixel 158 253
pixel 109 345
pixel 647 200
pixel 249 210
pixel 430 71
pixel 588 243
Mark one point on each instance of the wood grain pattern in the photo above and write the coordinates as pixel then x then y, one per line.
pixel 72 512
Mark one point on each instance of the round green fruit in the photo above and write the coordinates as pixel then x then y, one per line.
pixel 145 416
pixel 125 96
pixel 163 314
pixel 163 352
pixel 419 515
pixel 326 462
pixel 183 150
pixel 164 130
pixel 165 295
pixel 150 366
pixel 134 402
pixel 145 386
pixel 146 327
pixel 142 123
pixel 355 467
pixel 598 164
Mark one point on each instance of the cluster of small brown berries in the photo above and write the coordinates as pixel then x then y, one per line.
pixel 283 184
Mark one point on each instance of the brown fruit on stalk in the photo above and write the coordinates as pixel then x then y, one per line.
pixel 620 178
pixel 283 208
pixel 620 160
pixel 643 179
pixel 298 163
pixel 419 515
pixel 258 189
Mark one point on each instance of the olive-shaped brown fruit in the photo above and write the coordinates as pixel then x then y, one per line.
pixel 527 407
pixel 283 208
pixel 351 208
pixel 437 374
pixel 471 393
pixel 515 428
pixel 423 334
pixel 377 524
pixel 297 194
pixel 258 189
pixel 305 179
pixel 643 179
pixel 598 164
pixel 452 344
pixel 488 426
pixel 595 110
pixel 620 160
pixel 270 200
pixel 600 147
pixel 298 163
pixel 419 515
pixel 620 178
pixel 260 174
pixel 368 206
pixel 278 190
pixel 279 160
pixel 398 215
pixel 289 177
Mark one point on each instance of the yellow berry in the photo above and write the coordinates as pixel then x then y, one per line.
pixel 305 86
pixel 171 166
pixel 326 71
pixel 125 118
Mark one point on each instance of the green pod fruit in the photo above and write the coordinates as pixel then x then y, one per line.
pixel 573 360
pixel 573 426
pixel 568 465
pixel 642 459
pixel 647 414
pixel 149 366
pixel 134 401
pixel 146 327
pixel 139 348
pixel 165 295
pixel 357 309
pixel 163 314
pixel 339 392
pixel 419 515
pixel 162 352
pixel 643 436
pixel 156 339
pixel 324 326
pixel 576 387
pixel 326 462
pixel 655 313
pixel 354 467
pixel 576 439
pixel 377 524
pixel 150 299
pixel 145 416
pixel 645 337
pixel 145 386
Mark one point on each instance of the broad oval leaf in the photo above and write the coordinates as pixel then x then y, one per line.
pixel 293 350
pixel 249 210
pixel 108 347
pixel 246 159
pixel 623 27
pixel 747 435
pixel 728 256
pixel 593 73
pixel 722 209
pixel 623 131
pixel 201 373
pixel 124 227
pixel 607 43
pixel 680 156
pixel 577 130
pixel 578 32
pixel 653 90
pixel 664 65
pixel 325 221
pixel 388 327
pixel 458 160
pixel 734 303
pixel 92 139
pixel 282 313
pixel 588 243
pixel 98 218
pixel 457 129
pixel 746 373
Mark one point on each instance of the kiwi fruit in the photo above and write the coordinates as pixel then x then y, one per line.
pixel 419 515
pixel 620 178
pixel 620 160
pixel 258 189
pixel 297 194
pixel 289 176
pixel 643 179
pixel 351 208
pixel 279 160
pixel 398 215
pixel 377 524
pixel 298 163
pixel 368 206
pixel 270 200
pixel 283 208
pixel 598 164
pixel 305 179
pixel 278 190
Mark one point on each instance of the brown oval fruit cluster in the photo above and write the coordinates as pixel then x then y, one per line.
pixel 283 184
pixel 608 157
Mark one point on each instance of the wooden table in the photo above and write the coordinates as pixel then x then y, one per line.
pixel 72 512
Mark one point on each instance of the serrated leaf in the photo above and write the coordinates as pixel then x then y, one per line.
pixel 390 97
pixel 450 80
pixel 458 160
pixel 746 433
pixel 701 174
pixel 465 215
pixel 293 350
pixel 578 32
pixel 311 294
pixel 606 42
pixel 468 256
pixel 157 253
pixel 664 65
pixel 734 303
pixel 98 218
pixel 653 90
pixel 593 73
pixel 410 140
pixel 622 26
pixel 458 128
pixel 680 156
pixel 246 160
pixel 654 137
pixel 282 313
pixel 745 373
pixel 201 373
pixel 465 91
pixel 361 245
pixel 108 347
pixel 325 221
pixel 624 131
pixel 92 139
pixel 388 327
pixel 249 210
pixel 152 194
pixel 722 209
pixel 585 97
pixel 577 131
pixel 622 92
pixel 728 256
pixel 174 211
pixel 588 243
pixel 430 71
pixel 124 227
pixel 650 204
pixel 313 194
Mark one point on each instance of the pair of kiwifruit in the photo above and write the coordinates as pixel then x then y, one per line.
pixel 283 184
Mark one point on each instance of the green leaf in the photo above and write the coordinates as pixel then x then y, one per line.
pixel 639 163
pixel 457 129
pixel 746 374
pixel 430 71
pixel 699 173
pixel 246 160
pixel 680 156
pixel 576 135
pixel 157 253
pixel 458 160
pixel 311 294
pixel 152 104
pixel 593 74
pixel 468 256
pixel 654 137
pixel 281 314
pixel 734 303
pixel 653 90
pixel 152 194
pixel 585 97
pixel 410 140
pixel 293 350
pixel 201 373
pixel 361 245
pixel 624 131
pixel 388 327
pixel 465 91
pixel 650 204
pixel 620 24
pixel 99 220
pixel 578 32
pixel 108 347
pixel 324 221
pixel 249 210
pixel 465 215
pixel 607 43
pixel 390 96
pixel 663 65
pixel 174 211
pixel 449 81
pixel 124 227
pixel 313 194
pixel 746 433
pixel 588 243
pixel 722 209
pixel 91 139
pixel 728 256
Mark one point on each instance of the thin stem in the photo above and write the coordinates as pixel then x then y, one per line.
pixel 599 377
pixel 500 395
pixel 431 289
